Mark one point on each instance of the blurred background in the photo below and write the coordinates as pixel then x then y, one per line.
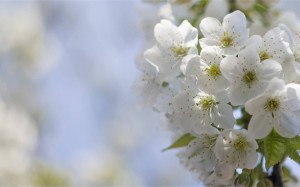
pixel 68 114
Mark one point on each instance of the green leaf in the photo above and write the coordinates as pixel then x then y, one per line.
pixel 181 142
pixel 274 149
pixel 294 143
pixel 292 147
pixel 294 155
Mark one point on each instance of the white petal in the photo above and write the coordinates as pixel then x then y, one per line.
pixel 235 24
pixel 223 116
pixel 270 69
pixel 189 64
pixel 153 56
pixel 288 126
pixel 255 41
pixel 192 65
pixel 207 129
pixel 167 65
pixel 231 50
pixel 182 102
pixel 255 103
pixel 275 85
pixel 211 55
pixel 239 94
pixel 251 159
pixel 189 34
pixel 260 124
pixel 230 69
pixel 293 96
pixel 224 171
pixel 210 85
pixel 210 162
pixel 219 147
pixel 205 42
pixel 249 57
pixel 211 28
pixel 275 44
pixel 166 34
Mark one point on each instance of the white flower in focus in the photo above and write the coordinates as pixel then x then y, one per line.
pixel 236 148
pixel 274 45
pixel 278 106
pixel 230 36
pixel 248 77
pixel 195 110
pixel 173 43
pixel 205 70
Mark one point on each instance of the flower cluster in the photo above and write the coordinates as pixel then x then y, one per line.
pixel 199 80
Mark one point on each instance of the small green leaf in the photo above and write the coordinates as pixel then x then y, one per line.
pixel 181 142
pixel 274 149
pixel 294 143
pixel 294 155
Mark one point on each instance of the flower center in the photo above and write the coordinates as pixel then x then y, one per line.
pixel 226 41
pixel 264 56
pixel 249 78
pixel 240 144
pixel 179 51
pixel 214 71
pixel 272 105
pixel 207 102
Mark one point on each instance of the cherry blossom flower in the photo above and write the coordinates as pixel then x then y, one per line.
pixel 273 45
pixel 230 36
pixel 195 110
pixel 248 77
pixel 173 43
pixel 236 148
pixel 205 70
pixel 277 107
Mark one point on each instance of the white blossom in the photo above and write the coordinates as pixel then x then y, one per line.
pixel 205 70
pixel 201 149
pixel 273 45
pixel 173 43
pixel 230 36
pixel 248 77
pixel 277 107
pixel 195 110
pixel 236 148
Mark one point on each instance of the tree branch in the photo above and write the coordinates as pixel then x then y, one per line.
pixel 276 176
